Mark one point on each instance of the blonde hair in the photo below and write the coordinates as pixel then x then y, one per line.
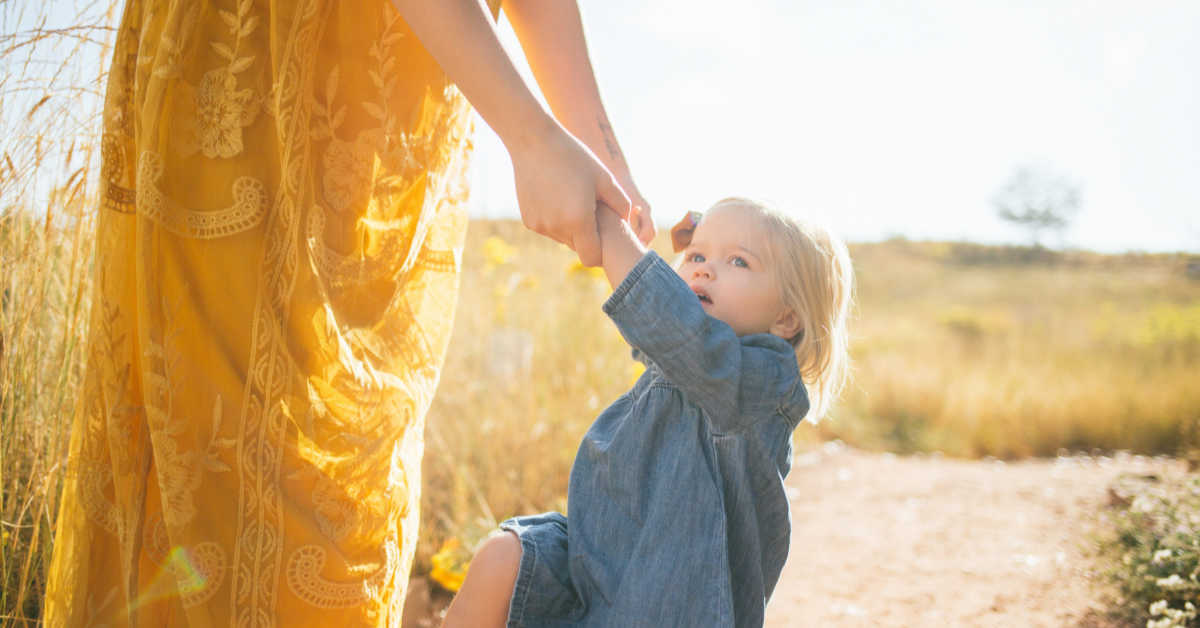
pixel 816 281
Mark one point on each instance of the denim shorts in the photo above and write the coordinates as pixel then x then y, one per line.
pixel 544 571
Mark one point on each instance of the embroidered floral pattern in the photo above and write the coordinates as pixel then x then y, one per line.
pixel 221 112
pixel 336 514
pixel 213 112
pixel 178 468
pixel 348 173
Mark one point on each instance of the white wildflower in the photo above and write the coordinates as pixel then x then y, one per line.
pixel 1172 582
pixel 1161 556
pixel 1158 608
pixel 1142 503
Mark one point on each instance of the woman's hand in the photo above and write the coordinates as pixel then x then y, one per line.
pixel 559 180
pixel 559 183
pixel 551 34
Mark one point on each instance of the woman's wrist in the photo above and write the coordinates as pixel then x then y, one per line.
pixel 534 129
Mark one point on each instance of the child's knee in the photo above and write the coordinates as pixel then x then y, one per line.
pixel 499 556
pixel 484 597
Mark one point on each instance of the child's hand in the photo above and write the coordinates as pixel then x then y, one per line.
pixel 619 244
pixel 681 233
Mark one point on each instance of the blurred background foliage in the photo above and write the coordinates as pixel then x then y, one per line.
pixel 967 349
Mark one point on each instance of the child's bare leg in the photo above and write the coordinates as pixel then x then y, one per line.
pixel 483 599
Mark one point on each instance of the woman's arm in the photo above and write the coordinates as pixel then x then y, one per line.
pixel 551 34
pixel 559 181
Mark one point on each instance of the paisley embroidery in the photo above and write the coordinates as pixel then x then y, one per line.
pixel 305 580
pixel 199 571
pixel 250 203
pixel 112 170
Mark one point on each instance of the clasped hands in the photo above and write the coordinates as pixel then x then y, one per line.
pixel 560 184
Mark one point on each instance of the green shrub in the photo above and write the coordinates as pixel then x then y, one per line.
pixel 1153 551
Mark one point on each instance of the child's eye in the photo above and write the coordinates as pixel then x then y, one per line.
pixel 738 260
pixel 695 257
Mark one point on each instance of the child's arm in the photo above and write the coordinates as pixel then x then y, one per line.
pixel 659 316
pixel 620 248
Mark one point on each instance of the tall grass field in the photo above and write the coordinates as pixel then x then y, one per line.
pixel 965 349
pixel 959 348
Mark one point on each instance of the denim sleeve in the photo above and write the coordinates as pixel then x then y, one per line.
pixel 730 378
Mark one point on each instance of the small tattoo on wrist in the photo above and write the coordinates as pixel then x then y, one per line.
pixel 610 140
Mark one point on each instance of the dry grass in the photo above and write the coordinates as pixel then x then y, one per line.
pixel 973 351
pixel 532 361
pixel 1013 359
pixel 999 359
pixel 49 105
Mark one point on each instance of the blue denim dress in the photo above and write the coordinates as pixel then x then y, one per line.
pixel 678 515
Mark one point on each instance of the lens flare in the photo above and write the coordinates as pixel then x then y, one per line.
pixel 177 577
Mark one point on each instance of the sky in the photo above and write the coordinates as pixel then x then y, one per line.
pixel 900 118
pixel 884 118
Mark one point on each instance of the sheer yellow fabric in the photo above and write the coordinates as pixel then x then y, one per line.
pixel 278 249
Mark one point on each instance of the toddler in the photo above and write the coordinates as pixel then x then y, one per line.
pixel 678 515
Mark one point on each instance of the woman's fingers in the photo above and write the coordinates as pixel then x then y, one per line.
pixel 611 194
pixel 559 184
pixel 586 241
pixel 585 237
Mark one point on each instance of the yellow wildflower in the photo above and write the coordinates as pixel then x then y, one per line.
pixel 528 282
pixel 450 564
pixel 577 269
pixel 635 371
pixel 497 252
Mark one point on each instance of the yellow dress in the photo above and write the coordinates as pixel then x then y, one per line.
pixel 278 250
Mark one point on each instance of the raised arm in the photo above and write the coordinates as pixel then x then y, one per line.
pixel 659 315
pixel 558 179
pixel 620 246
pixel 552 36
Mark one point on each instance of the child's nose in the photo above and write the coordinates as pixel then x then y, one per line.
pixel 702 270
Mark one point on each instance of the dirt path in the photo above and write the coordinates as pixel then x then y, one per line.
pixel 881 540
pixel 912 542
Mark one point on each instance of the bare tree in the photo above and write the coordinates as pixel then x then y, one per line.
pixel 1039 201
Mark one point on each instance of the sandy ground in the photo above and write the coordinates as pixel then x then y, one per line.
pixel 887 541
pixel 880 540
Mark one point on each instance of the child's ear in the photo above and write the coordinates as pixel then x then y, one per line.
pixel 787 324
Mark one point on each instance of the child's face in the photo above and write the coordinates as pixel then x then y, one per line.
pixel 728 266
